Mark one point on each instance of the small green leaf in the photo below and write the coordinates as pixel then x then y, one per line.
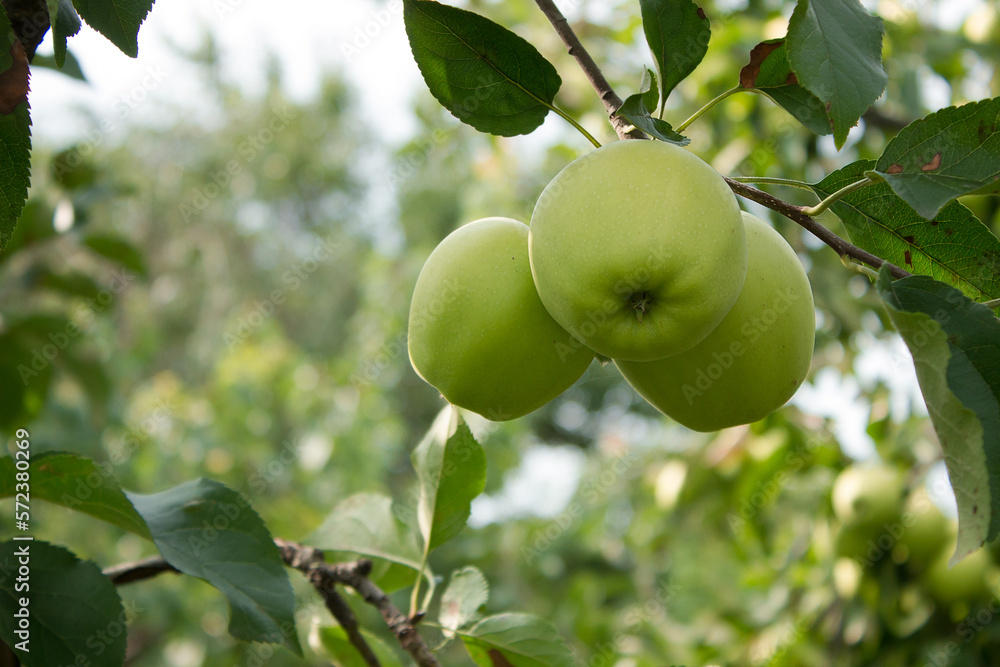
pixel 15 130
pixel 70 66
pixel 79 484
pixel 331 643
pixel 955 247
pixel 955 345
pixel 517 640
pixel 484 74
pixel 451 467
pixel 368 524
pixel 769 72
pixel 118 250
pixel 209 531
pixel 952 152
pixel 118 20
pixel 634 110
pixel 73 609
pixel 65 23
pixel 467 591
pixel 678 33
pixel 835 50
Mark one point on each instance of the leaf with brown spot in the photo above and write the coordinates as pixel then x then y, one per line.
pixel 496 657
pixel 956 248
pixel 14 80
pixel 519 640
pixel 769 72
pixel 950 153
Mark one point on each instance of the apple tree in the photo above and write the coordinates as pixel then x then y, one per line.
pixel 850 575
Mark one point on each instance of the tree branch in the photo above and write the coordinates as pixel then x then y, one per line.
pixel 30 21
pixel 575 48
pixel 796 214
pixel 323 576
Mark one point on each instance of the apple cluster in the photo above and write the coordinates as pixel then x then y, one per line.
pixel 638 252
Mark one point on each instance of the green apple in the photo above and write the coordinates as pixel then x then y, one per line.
pixel 869 496
pixel 478 332
pixel 754 360
pixel 637 249
pixel 927 533
pixel 968 581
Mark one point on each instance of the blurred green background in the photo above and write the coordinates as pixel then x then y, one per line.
pixel 225 295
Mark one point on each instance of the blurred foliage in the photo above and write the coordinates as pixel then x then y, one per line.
pixel 229 299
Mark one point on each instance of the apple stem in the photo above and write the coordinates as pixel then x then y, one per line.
pixel 836 196
pixel 569 119
pixel 640 302
pixel 859 267
pixel 697 114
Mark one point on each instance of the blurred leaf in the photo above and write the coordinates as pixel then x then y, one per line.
pixel 365 524
pixel 467 591
pixel 77 483
pixel 451 467
pixel 517 640
pixel 678 33
pixel 331 643
pixel 769 72
pixel 65 23
pixel 71 283
pixel 118 20
pixel 484 74
pixel 71 66
pixel 835 50
pixel 25 376
pixel 951 152
pixel 955 248
pixel 15 130
pixel 118 250
pixel 209 531
pixel 71 605
pixel 72 170
pixel 955 345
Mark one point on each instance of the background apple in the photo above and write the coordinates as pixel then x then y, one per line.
pixel 637 249
pixel 478 332
pixel 753 362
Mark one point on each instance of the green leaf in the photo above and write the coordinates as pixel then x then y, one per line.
pixel 769 72
pixel 955 247
pixel 15 130
pixel 77 483
pixel 677 32
pixel 517 640
pixel 835 50
pixel 117 250
pixel 451 467
pixel 331 643
pixel 634 111
pixel 209 531
pixel 65 23
pixel 74 610
pixel 952 152
pixel 365 524
pixel 118 20
pixel 71 66
pixel 955 345
pixel 467 591
pixel 484 74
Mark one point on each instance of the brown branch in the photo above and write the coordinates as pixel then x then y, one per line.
pixel 323 576
pixel 795 214
pixel 575 48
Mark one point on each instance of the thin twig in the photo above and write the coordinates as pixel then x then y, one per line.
pixel 311 562
pixel 575 48
pixel 322 576
pixel 796 215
